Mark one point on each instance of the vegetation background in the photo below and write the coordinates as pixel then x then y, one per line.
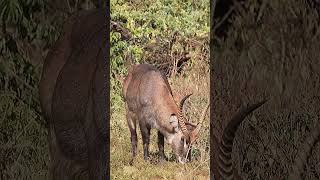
pixel 173 35
pixel 271 50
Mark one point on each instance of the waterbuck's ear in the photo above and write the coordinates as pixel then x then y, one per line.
pixel 174 122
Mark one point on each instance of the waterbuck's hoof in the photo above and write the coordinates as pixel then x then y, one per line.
pixel 146 158
pixel 162 158
pixel 131 162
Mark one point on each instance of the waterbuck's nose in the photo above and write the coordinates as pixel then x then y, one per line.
pixel 182 160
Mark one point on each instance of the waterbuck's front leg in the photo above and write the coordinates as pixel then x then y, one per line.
pixel 161 146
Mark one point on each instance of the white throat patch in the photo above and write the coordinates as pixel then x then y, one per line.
pixel 170 139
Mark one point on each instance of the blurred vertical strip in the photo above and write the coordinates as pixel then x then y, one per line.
pixel 107 78
pixel 212 140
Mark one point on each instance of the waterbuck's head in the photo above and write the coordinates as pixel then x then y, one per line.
pixel 186 133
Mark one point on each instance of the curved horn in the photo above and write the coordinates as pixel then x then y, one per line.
pixel 183 100
pixel 182 124
pixel 195 132
pixel 304 153
pixel 225 167
pixel 181 119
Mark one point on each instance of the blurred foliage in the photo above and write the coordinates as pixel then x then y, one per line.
pixel 23 146
pixel 26 20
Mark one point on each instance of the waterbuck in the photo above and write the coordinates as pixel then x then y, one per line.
pixel 73 97
pixel 149 101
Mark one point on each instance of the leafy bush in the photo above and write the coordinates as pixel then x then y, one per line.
pixel 155 23
pixel 118 65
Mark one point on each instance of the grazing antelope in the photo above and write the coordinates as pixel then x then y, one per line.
pixel 222 166
pixel 149 101
pixel 73 97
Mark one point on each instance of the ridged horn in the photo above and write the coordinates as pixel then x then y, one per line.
pixel 304 153
pixel 181 119
pixel 183 100
pixel 183 125
pixel 225 167
pixel 195 132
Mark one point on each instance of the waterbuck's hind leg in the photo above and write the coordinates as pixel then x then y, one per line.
pixel 132 127
pixel 145 132
pixel 161 146
pixel 61 167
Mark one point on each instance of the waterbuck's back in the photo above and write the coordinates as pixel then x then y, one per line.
pixel 145 86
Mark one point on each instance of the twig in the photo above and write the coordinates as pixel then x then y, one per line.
pixel 69 7
pixel 262 8
pixel 224 18
pixel 182 59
